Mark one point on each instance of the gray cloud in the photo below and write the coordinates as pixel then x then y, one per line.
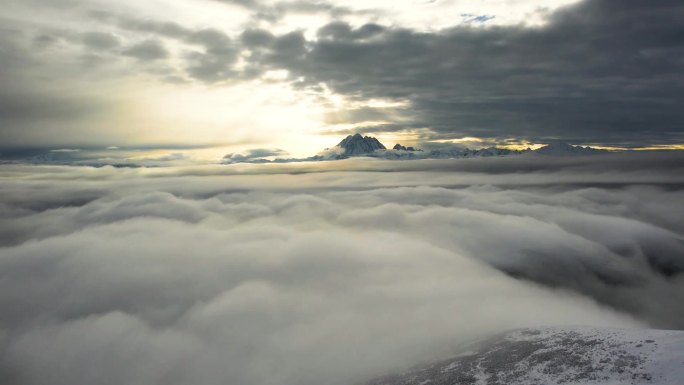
pixel 168 29
pixel 213 63
pixel 30 109
pixel 343 31
pixel 281 9
pixel 216 62
pixel 147 50
pixel 45 41
pixel 100 40
pixel 244 3
pixel 597 72
pixel 277 10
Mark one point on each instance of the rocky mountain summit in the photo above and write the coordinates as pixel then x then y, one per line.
pixel 356 144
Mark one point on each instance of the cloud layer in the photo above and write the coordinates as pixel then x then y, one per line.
pixel 303 274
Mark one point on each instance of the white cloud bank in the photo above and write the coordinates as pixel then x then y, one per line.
pixel 303 274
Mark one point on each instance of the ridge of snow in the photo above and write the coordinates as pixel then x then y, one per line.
pixel 561 355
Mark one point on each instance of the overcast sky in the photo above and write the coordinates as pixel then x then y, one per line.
pixel 297 75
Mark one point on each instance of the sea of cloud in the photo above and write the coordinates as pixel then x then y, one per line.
pixel 329 272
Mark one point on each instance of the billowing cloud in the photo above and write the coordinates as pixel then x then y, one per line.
pixel 324 272
pixel 255 154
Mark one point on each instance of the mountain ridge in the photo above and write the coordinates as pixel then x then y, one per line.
pixel 558 355
pixel 358 145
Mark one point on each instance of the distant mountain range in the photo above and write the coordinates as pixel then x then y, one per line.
pixel 358 145
pixel 560 148
pixel 352 146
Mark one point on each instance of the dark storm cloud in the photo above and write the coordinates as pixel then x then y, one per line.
pixel 174 274
pixel 600 71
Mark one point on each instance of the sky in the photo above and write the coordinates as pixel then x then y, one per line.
pixel 138 245
pixel 220 76
pixel 324 272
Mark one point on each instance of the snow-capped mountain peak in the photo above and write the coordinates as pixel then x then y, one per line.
pixel 360 145
pixel 399 147
pixel 562 148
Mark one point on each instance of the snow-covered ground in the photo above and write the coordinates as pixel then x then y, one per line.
pixel 559 355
